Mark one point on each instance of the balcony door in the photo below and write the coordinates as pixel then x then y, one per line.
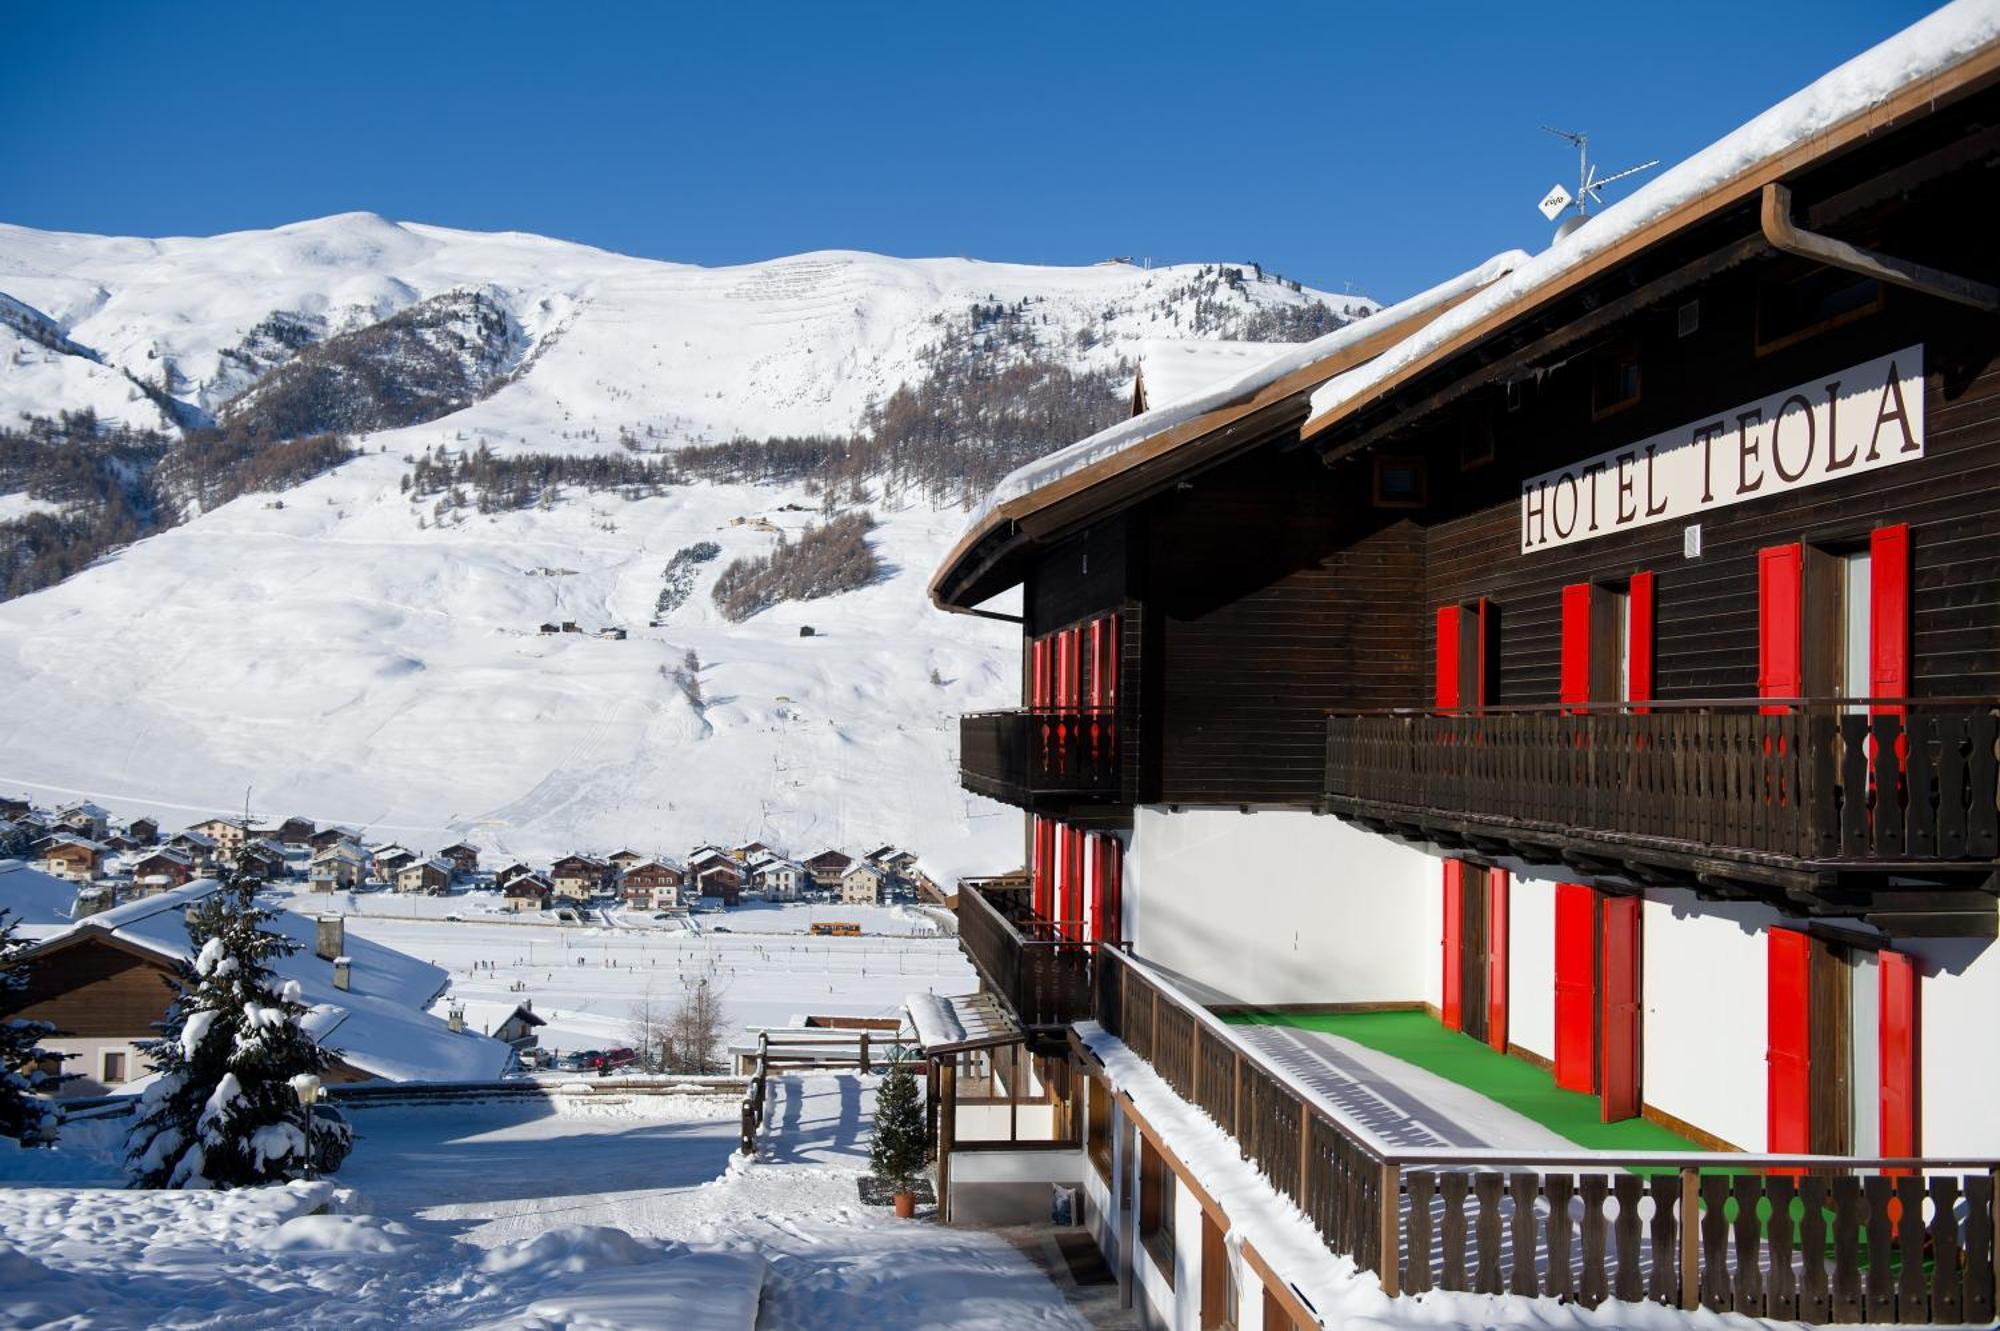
pixel 1607 641
pixel 1475 951
pixel 1467 657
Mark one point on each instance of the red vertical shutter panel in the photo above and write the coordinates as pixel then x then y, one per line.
pixel 1496 958
pixel 1619 1093
pixel 1106 865
pixel 1043 875
pixel 1576 987
pixel 1073 877
pixel 1447 658
pixel 1574 682
pixel 1889 616
pixel 1452 996
pixel 1788 1104
pixel 1780 637
pixel 1639 656
pixel 1901 1059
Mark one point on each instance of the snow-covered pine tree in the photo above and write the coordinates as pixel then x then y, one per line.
pixel 222 1113
pixel 26 1113
pixel 901 1147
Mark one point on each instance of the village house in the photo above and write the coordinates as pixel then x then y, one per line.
pixel 101 981
pixel 464 859
pixel 624 860
pixel 513 1024
pixel 776 879
pixel 750 851
pixel 341 867
pixel 294 833
pixel 719 877
pixel 14 809
pixel 392 860
pixel 201 850
pixel 652 885
pixel 226 835
pixel 161 870
pixel 1583 670
pixel 515 870
pixel 143 831
pixel 826 868
pixel 862 885
pixel 577 877
pixel 327 836
pixel 85 819
pixel 264 860
pixel 431 877
pixel 72 858
pixel 527 891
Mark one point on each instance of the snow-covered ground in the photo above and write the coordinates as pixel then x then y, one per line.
pixel 516 1216
pixel 585 981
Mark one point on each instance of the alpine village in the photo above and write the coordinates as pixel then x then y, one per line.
pixel 1508 805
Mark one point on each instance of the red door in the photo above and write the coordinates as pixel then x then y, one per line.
pixel 1901 1100
pixel 1889 615
pixel 1620 1076
pixel 1452 1003
pixel 1788 1106
pixel 1496 959
pixel 1449 692
pixel 1576 987
pixel 1639 652
pixel 1780 639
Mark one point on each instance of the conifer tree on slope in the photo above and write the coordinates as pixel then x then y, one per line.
pixel 901 1147
pixel 26 1112
pixel 222 1113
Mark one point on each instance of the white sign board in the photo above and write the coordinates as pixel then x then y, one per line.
pixel 1554 201
pixel 1860 419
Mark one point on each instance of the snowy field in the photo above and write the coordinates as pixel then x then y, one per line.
pixel 585 981
pixel 516 1216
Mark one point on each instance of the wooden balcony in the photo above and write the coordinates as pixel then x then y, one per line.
pixel 1906 1241
pixel 1821 803
pixel 1041 759
pixel 1044 981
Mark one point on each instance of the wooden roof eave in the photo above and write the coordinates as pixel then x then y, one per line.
pixel 1977 71
pixel 1143 468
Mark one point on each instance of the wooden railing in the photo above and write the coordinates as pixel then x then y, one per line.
pixel 1042 978
pixel 1017 755
pixel 1810 1238
pixel 1800 779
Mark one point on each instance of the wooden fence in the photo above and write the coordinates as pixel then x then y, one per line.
pixel 1809 1238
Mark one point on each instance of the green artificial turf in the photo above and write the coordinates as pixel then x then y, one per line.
pixel 1419 1039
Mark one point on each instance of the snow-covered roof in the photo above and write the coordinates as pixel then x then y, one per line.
pixel 1739 162
pixel 377 1024
pixel 487 1015
pixel 945 1023
pixel 193 838
pixel 1175 369
pixel 38 903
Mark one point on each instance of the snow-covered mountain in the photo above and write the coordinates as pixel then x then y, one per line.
pixel 355 654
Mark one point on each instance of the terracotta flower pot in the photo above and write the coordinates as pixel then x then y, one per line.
pixel 906 1204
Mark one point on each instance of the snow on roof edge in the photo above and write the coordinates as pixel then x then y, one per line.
pixel 1923 50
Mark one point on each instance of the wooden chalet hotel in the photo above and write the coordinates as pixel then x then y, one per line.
pixel 1513 783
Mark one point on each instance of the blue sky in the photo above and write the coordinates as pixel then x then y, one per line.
pixel 1384 145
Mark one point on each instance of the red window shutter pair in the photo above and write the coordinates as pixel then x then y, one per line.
pixel 1452 996
pixel 1780 599
pixel 1580 602
pixel 1464 639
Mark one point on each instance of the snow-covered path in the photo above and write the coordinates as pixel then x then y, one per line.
pixel 508 1215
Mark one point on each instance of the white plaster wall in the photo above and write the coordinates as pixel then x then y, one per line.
pixel 1531 965
pixel 1959 1000
pixel 1705 967
pixel 1281 907
pixel 1066 1167
pixel 1432 961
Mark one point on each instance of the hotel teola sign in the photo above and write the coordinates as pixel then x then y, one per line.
pixel 1856 420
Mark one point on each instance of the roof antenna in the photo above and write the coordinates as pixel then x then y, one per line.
pixel 1589 185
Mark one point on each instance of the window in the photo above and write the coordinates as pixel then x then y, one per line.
pixel 1812 302
pixel 1156 1207
pixel 114 1067
pixel 1218 1304
pixel 1614 380
pixel 1097 1126
pixel 1401 483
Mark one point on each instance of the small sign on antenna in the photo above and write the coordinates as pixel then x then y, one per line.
pixel 1554 201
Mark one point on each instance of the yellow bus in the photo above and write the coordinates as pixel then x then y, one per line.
pixel 835 929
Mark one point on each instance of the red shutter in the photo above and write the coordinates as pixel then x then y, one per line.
pixel 1107 858
pixel 1073 895
pixel 1576 987
pixel 1889 615
pixel 1452 1002
pixel 1496 958
pixel 1041 671
pixel 1788 1106
pixel 1619 1093
pixel 1044 876
pixel 1901 1061
pixel 1780 639
pixel 1038 660
pixel 1447 658
pixel 1574 683
pixel 1639 656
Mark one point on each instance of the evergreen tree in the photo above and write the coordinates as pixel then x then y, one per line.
pixel 901 1147
pixel 223 1113
pixel 26 1113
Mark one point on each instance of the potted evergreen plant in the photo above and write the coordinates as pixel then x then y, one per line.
pixel 901 1147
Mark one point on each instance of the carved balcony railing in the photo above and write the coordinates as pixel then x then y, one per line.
pixel 1044 980
pixel 1039 757
pixel 1870 784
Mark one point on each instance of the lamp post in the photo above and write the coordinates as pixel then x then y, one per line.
pixel 306 1087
